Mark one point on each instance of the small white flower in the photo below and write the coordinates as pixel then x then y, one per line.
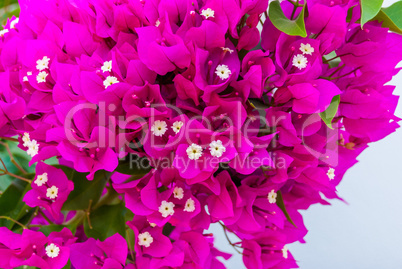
pixel 159 128
pixel 331 173
pixel 110 80
pixel 166 209
pixel 192 12
pixel 194 152
pixel 252 118
pixel 107 66
pixel 306 49
pixel 208 13
pixel 25 79
pixel 177 126
pixel 223 71
pixel 41 179
pixel 52 192
pixel 52 251
pixel 145 239
pixel 14 22
pixel 285 252
pixel 216 148
pixel 3 32
pixel 33 148
pixel 43 63
pixel 227 50
pixel 157 23
pixel 272 197
pixel 26 139
pixel 300 61
pixel 190 205
pixel 178 193
pixel 41 77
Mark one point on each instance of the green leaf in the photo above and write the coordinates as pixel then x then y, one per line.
pixel 84 189
pixel 281 205
pixel 258 104
pixel 20 157
pixel 10 201
pixel 106 221
pixel 4 3
pixel 391 17
pixel 47 229
pixel 68 265
pixel 370 9
pixel 135 166
pixel 282 23
pixel 328 115
pixel 23 214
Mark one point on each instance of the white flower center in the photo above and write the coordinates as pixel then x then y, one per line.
pixel 145 239
pixel 41 179
pixel 52 251
pixel 52 192
pixel 194 152
pixel 190 205
pixel 227 50
pixel 107 66
pixel 306 49
pixel 166 209
pixel 300 61
pixel 14 22
pixel 285 252
pixel 25 79
pixel 110 80
pixel 157 23
pixel 223 71
pixel 159 128
pixel 216 148
pixel 33 148
pixel 43 63
pixel 3 32
pixel 177 126
pixel 41 77
pixel 252 118
pixel 178 193
pixel 207 13
pixel 26 139
pixel 331 173
pixel 272 197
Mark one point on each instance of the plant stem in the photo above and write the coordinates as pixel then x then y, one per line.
pixel 12 157
pixel 87 213
pixel 347 74
pixel 79 216
pixel 129 245
pixel 225 229
pixel 337 70
pixel 13 220
pixel 9 139
pixel 45 217
pixel 295 6
pixel 16 176
pixel 33 216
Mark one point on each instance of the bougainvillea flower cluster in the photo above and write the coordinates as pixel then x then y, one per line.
pixel 169 116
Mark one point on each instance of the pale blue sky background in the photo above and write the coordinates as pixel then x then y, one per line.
pixel 365 234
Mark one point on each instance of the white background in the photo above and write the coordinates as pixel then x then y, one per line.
pixel 365 233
